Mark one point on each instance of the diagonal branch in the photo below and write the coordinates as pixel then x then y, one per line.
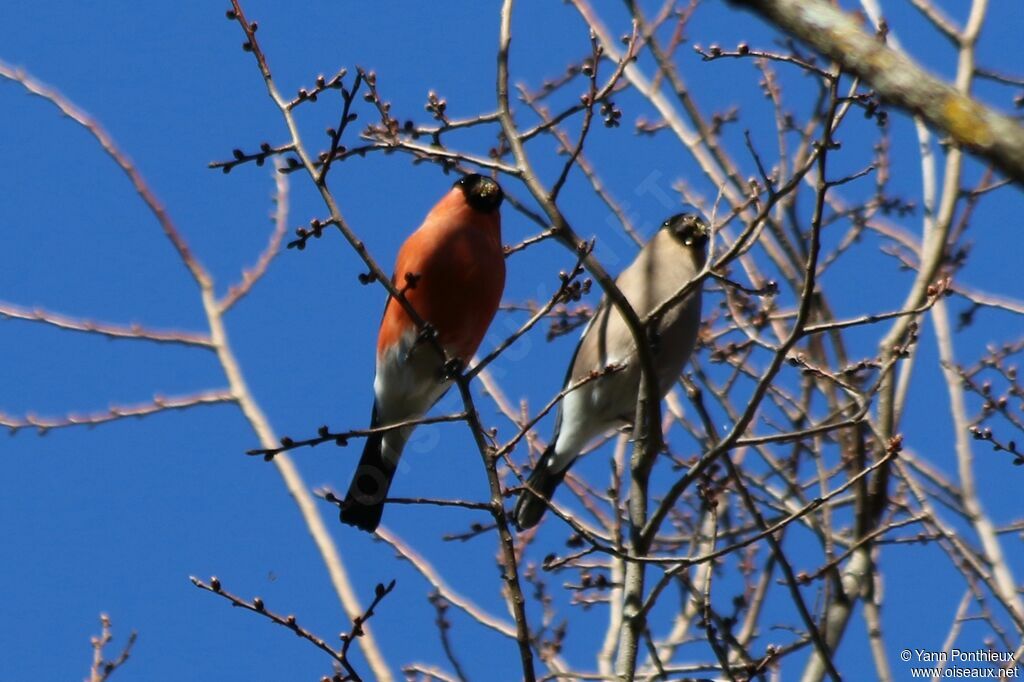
pixel 83 119
pixel 253 275
pixel 115 412
pixel 113 331
pixel 340 655
pixel 899 80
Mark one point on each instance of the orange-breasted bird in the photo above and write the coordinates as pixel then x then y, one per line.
pixel 452 272
pixel 673 256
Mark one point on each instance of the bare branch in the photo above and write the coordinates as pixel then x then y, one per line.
pixel 341 438
pixel 67 108
pixel 340 655
pixel 102 668
pixel 253 275
pixel 113 331
pixel 115 412
pixel 899 80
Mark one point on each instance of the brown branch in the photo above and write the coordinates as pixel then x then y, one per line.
pixel 681 563
pixel 509 569
pixel 591 99
pixel 239 157
pixel 339 655
pixel 427 673
pixel 528 425
pixel 508 561
pixel 998 77
pixel 899 80
pixel 440 605
pixel 714 52
pixel 584 165
pixel 253 275
pixel 115 412
pixel 938 18
pixel 322 84
pixel 348 96
pixel 113 331
pixel 42 90
pixel 568 290
pixel 103 668
pixel 430 574
pixel 341 438
pixel 328 495
pixel 528 242
pixel 239 391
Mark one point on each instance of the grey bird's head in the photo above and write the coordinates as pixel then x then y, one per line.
pixel 481 192
pixel 690 230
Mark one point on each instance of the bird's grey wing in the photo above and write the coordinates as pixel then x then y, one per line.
pixel 578 367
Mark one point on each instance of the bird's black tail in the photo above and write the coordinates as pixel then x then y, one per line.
pixel 540 486
pixel 364 502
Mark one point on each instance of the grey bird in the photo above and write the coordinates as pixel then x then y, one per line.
pixel 674 256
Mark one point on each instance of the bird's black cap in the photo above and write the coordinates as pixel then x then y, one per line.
pixel 482 193
pixel 689 229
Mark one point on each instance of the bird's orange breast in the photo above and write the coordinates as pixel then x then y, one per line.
pixel 458 264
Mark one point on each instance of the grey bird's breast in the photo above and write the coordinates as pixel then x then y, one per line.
pixel 659 272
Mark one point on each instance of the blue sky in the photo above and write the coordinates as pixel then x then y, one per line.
pixel 116 518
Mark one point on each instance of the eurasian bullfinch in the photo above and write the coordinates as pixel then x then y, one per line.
pixel 674 256
pixel 452 272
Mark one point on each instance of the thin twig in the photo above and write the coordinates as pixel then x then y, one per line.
pixel 113 413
